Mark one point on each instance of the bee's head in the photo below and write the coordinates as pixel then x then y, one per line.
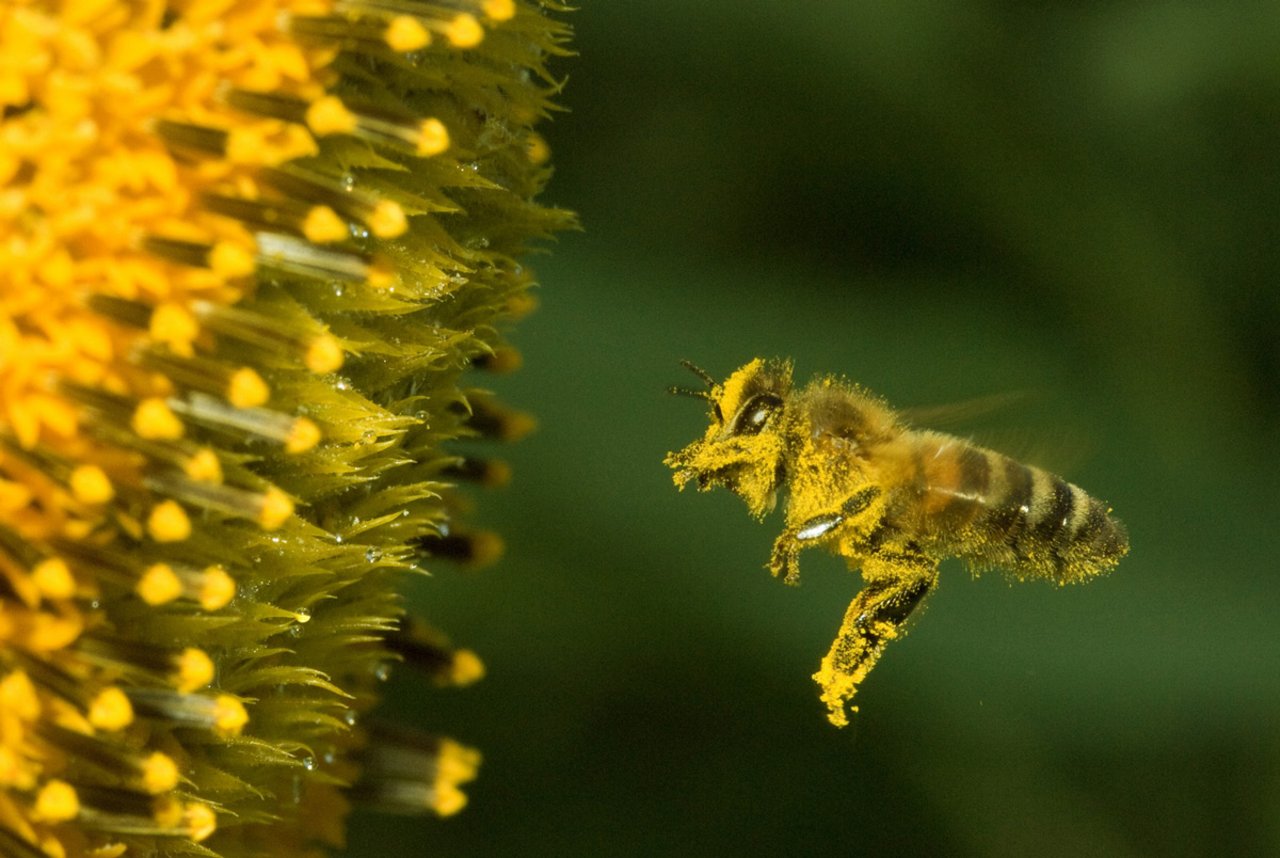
pixel 744 447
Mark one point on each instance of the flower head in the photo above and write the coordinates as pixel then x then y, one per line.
pixel 248 249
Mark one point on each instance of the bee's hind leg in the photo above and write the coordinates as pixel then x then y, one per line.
pixel 875 617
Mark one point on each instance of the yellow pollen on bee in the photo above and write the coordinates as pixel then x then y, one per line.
pixel 90 485
pixel 168 522
pixel 247 389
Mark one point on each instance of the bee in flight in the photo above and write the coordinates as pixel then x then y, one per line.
pixel 892 500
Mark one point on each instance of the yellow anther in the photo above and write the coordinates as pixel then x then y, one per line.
pixel 217 589
pixel 194 670
pixel 447 799
pixel 433 137
pixel 322 225
pixel 158 585
pixel 56 802
pixel 466 668
pixel 229 715
pixel 168 522
pixel 53 578
pixel 499 10
pixel 456 763
pixel 276 509
pixel 231 260
pixel 200 821
pixel 90 485
pixel 387 219
pixel 18 696
pixel 247 389
pixel 406 33
pixel 328 115
pixel 175 326
pixel 303 435
pixel 154 420
pixel 204 466
pixel 159 773
pixel 464 31
pixel 324 354
pixel 110 710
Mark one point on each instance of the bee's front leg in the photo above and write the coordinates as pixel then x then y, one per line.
pixel 814 531
pixel 875 617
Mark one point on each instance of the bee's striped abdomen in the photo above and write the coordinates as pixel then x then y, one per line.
pixel 995 511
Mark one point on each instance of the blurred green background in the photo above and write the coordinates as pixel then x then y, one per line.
pixel 942 200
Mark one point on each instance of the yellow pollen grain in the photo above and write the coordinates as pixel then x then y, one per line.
pixel 159 773
pixel 328 115
pixel 204 466
pixel 406 33
pixel 18 697
pixel 388 220
pixel 168 522
pixel 110 710
pixel 448 799
pixel 90 485
pixel 464 31
pixel 229 716
pixel 466 668
pixel 158 585
pixel 53 578
pixel 324 354
pixel 276 509
pixel 200 821
pixel 231 260
pixel 194 670
pixel 56 802
pixel 247 389
pixel 433 137
pixel 323 226
pixel 217 588
pixel 154 420
pixel 303 435
pixel 499 10
pixel 175 326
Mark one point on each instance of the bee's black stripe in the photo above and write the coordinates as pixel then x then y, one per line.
pixel 1009 513
pixel 1054 511
pixel 975 472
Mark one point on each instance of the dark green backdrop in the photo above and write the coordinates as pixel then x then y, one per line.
pixel 942 200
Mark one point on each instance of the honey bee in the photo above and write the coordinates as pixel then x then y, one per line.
pixel 892 500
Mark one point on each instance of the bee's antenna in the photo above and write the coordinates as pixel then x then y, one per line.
pixel 699 372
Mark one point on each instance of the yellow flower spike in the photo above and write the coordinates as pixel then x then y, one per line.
pixel 223 203
pixel 90 485
pixel 110 710
pixel 247 389
pixel 56 802
pixel 155 421
pixel 168 522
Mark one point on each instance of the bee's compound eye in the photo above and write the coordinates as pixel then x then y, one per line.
pixel 755 414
